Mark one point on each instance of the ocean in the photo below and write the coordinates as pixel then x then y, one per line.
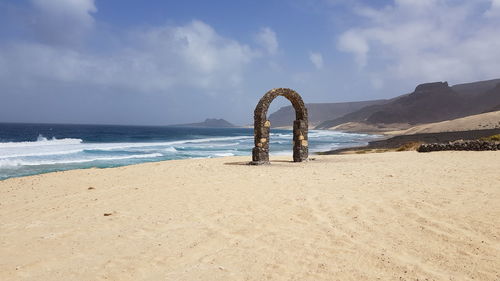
pixel 29 149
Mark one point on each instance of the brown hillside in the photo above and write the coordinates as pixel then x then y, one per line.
pixel 430 102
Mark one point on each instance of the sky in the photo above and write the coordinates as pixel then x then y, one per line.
pixel 160 62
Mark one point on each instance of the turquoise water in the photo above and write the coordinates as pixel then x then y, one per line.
pixel 27 149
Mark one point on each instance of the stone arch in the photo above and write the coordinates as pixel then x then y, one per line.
pixel 260 153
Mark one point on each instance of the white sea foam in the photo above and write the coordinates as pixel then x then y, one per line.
pixel 20 162
pixel 43 151
pixel 281 153
pixel 212 145
pixel 223 154
pixel 49 153
pixel 280 135
pixel 53 147
pixel 170 149
pixel 41 147
pixel 121 146
pixel 41 141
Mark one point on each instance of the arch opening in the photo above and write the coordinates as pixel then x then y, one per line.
pixel 262 126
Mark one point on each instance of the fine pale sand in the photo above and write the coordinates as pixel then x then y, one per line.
pixel 490 120
pixel 388 216
pixel 361 127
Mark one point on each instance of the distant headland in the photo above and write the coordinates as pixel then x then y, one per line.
pixel 208 123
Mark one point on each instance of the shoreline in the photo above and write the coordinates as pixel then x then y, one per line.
pixel 385 143
pixel 399 215
pixel 69 148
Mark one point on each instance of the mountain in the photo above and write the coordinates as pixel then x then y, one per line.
pixel 495 108
pixel 430 102
pixel 208 123
pixel 354 116
pixel 489 100
pixel 318 112
pixel 475 87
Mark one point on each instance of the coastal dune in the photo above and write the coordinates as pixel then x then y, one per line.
pixel 388 216
pixel 490 120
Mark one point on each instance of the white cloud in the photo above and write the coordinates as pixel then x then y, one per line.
pixel 494 10
pixel 267 39
pixel 316 59
pixel 426 41
pixel 75 8
pixel 416 3
pixel 62 21
pixel 153 60
pixel 376 82
pixel 354 41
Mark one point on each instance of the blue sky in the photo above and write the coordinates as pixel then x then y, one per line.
pixel 165 62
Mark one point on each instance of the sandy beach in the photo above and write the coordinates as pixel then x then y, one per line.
pixel 386 216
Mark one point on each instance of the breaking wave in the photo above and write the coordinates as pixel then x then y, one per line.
pixel 41 141
pixel 11 163
pixel 18 158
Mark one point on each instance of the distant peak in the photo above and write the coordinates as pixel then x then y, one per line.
pixel 209 122
pixel 431 86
